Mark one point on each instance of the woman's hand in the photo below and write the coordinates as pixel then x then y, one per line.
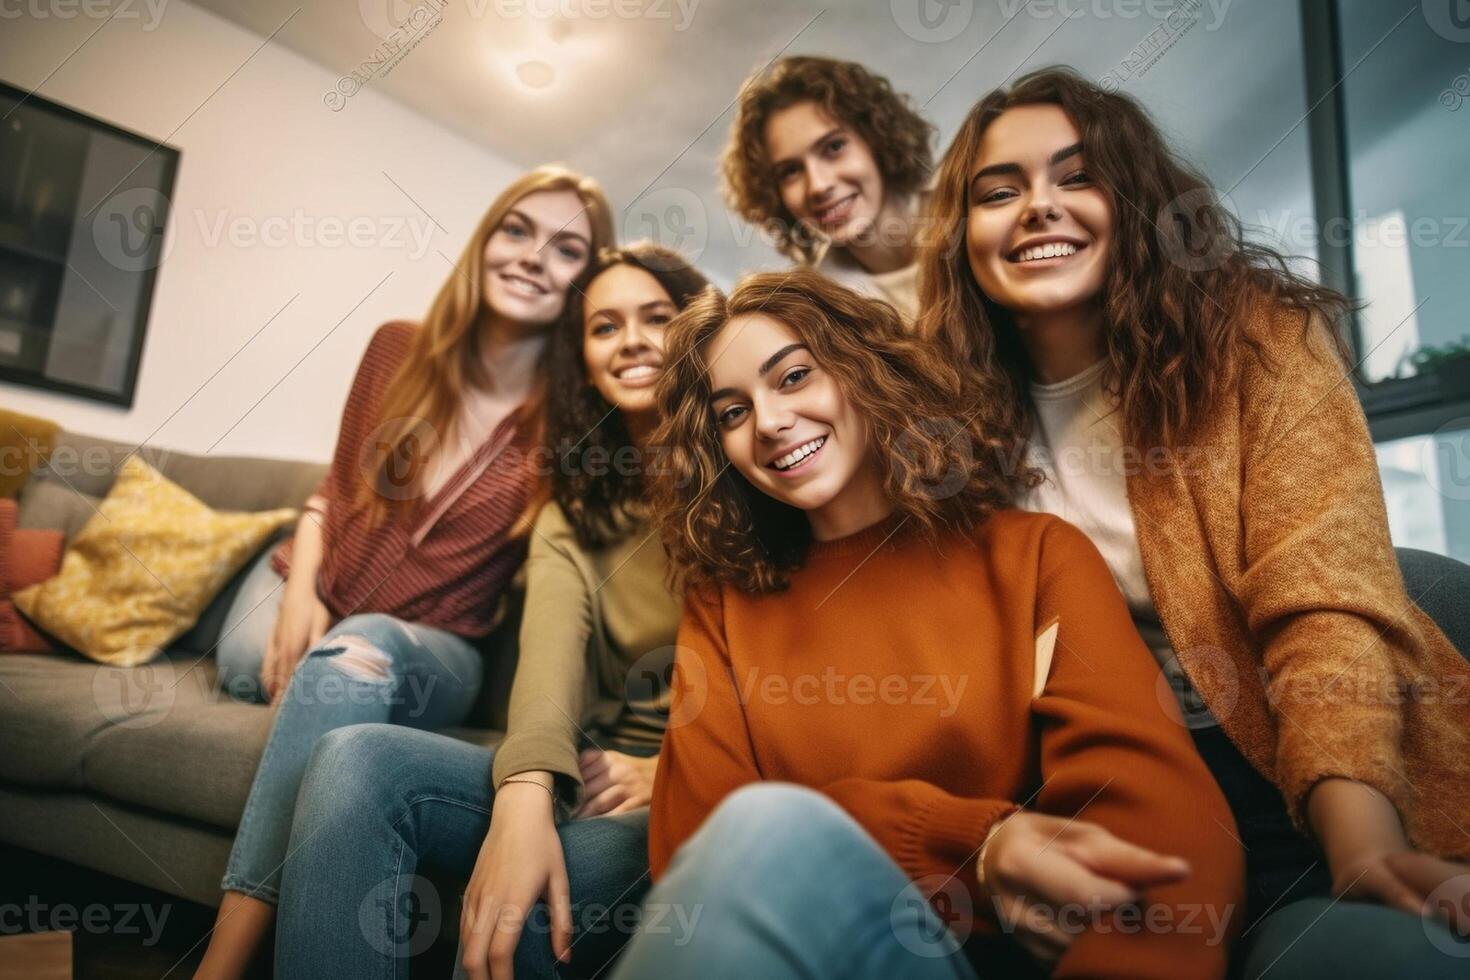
pixel 300 624
pixel 613 782
pixel 520 862
pixel 1372 861
pixel 1042 873
pixel 1418 883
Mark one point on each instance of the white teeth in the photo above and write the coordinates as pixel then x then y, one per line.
pixel 1048 251
pixel 637 371
pixel 798 454
pixel 825 213
pixel 523 285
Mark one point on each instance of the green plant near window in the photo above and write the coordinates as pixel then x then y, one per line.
pixel 1430 358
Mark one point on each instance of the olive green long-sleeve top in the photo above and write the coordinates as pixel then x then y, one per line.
pixel 596 649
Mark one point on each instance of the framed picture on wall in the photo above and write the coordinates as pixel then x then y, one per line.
pixel 83 208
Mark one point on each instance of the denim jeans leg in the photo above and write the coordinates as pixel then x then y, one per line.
pixel 1325 939
pixel 781 882
pixel 247 627
pixel 368 668
pixel 379 802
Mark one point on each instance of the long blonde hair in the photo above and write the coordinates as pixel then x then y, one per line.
pixel 446 358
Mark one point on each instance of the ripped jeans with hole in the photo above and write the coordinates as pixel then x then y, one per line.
pixel 368 668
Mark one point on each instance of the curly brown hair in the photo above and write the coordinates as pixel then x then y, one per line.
pixel 583 430
pixel 1181 284
pixel 927 417
pixel 898 136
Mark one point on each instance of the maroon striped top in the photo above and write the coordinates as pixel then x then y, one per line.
pixel 449 573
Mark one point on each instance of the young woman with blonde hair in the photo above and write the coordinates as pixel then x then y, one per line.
pixel 373 610
pixel 550 826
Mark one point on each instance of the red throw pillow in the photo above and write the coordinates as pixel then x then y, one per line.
pixel 26 557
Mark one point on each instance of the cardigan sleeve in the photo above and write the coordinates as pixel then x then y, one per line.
pixel 1115 752
pixel 549 694
pixel 1321 587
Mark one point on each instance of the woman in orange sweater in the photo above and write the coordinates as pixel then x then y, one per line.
pixel 888 690
pixel 1183 394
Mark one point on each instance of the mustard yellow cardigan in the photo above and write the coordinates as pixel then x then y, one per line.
pixel 1267 552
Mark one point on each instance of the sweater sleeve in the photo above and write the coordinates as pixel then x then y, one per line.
pixel 1115 752
pixel 706 751
pixel 1322 588
pixel 549 693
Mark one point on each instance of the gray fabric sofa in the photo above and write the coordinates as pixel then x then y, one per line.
pixel 142 773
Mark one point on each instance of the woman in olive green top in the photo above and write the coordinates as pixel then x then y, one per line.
pixel 587 709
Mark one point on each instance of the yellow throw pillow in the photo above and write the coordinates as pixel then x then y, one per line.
pixel 144 567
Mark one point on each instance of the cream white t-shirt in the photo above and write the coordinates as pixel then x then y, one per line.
pixel 1078 446
pixel 899 287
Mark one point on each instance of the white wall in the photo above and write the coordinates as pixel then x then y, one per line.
pixel 262 156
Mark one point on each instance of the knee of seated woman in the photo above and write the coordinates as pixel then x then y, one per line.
pixel 785 812
pixel 364 646
pixel 359 756
pixel 359 749
pixel 766 830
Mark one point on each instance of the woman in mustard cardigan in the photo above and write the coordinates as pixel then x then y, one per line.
pixel 1184 401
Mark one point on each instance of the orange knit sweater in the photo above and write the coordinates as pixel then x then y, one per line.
pixel 898 677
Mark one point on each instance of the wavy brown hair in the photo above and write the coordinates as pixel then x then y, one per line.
pixel 581 426
pixel 866 103
pixel 929 421
pixel 426 393
pixel 1182 281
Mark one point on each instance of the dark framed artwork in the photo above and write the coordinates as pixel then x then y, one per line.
pixel 83 208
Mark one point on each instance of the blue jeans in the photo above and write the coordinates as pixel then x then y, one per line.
pixel 247 627
pixel 1294 928
pixel 381 802
pixel 369 667
pixel 779 881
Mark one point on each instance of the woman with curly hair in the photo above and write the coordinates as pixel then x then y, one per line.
pixel 1184 396
pixel 830 160
pixel 586 718
pixel 892 750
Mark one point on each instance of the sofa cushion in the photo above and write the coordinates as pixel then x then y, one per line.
pixel 191 752
pixel 51 504
pixel 144 568
pixel 89 465
pixel 26 558
pixel 50 715
pixel 24 442
pixel 160 736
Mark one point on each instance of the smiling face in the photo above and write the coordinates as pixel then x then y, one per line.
pixel 542 245
pixel 786 426
pixel 1039 229
pixel 625 313
pixel 825 172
